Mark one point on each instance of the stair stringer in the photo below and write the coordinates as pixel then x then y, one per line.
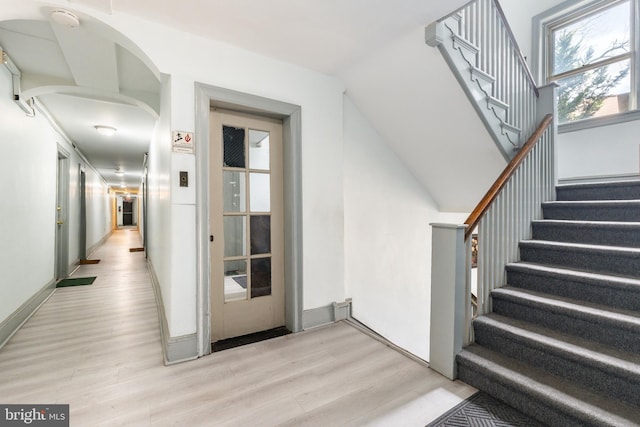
pixel 461 56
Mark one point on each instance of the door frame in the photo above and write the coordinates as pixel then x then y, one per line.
pixel 82 248
pixel 62 200
pixel 208 97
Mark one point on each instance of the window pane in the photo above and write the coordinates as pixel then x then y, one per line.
pixel 235 187
pixel 235 232
pixel 233 142
pixel 260 234
pixel 595 93
pixel 258 149
pixel 235 280
pixel 260 199
pixel 591 39
pixel 260 277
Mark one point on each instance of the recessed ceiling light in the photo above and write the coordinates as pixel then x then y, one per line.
pixel 105 130
pixel 65 18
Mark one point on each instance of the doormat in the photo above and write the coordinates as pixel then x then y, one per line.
pixel 78 281
pixel 89 261
pixel 136 249
pixel 483 410
pixel 249 339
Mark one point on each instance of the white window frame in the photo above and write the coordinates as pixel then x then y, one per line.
pixel 542 50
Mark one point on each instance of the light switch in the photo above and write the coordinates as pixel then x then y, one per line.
pixel 184 179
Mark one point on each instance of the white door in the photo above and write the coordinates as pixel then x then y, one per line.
pixel 246 222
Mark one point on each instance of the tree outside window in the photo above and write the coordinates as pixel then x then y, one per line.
pixel 591 60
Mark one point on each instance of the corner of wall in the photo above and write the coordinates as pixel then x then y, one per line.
pixel 175 349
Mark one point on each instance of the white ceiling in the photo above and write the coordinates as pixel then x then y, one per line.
pixel 370 44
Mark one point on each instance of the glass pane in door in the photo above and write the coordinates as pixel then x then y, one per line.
pixel 235 191
pixel 259 192
pixel 258 149
pixel 260 234
pixel 234 150
pixel 235 236
pixel 235 280
pixel 260 277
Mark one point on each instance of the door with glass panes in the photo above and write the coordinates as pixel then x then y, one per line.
pixel 246 223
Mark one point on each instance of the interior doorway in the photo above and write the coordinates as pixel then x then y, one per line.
pixel 247 224
pixel 127 213
pixel 82 232
pixel 62 204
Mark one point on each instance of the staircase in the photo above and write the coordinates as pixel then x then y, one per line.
pixel 563 341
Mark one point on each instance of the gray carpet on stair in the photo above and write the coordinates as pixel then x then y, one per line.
pixel 562 343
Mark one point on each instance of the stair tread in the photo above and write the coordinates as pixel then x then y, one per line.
pixel 628 318
pixel 599 355
pixel 598 202
pixel 564 222
pixel 585 185
pixel 619 281
pixel 587 246
pixel 551 390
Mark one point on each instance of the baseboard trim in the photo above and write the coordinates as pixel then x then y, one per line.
pixel 174 349
pixel 92 249
pixel 373 334
pixel 14 322
pixel 322 316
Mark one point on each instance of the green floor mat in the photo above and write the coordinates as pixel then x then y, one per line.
pixel 75 282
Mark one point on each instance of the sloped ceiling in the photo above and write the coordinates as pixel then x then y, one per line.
pixel 375 46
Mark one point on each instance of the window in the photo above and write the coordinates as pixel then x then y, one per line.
pixel 590 52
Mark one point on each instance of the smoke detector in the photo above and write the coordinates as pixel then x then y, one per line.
pixel 65 18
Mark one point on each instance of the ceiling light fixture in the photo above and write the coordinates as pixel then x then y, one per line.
pixel 65 18
pixel 105 130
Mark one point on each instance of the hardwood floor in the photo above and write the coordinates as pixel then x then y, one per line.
pixel 98 349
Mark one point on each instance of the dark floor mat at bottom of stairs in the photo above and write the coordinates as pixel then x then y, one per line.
pixel 483 410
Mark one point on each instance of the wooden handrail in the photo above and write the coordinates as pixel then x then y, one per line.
pixel 502 180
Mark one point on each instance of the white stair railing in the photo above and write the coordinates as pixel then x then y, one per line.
pixel 478 44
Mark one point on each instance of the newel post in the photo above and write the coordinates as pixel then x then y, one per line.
pixel 448 297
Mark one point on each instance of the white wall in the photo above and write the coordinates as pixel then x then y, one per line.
pixel 28 202
pixel 387 238
pixel 98 207
pixel 159 201
pixel 603 151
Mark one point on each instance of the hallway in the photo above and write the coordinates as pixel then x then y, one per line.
pixel 98 349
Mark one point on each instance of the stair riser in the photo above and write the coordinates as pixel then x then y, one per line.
pixel 591 375
pixel 629 191
pixel 595 261
pixel 591 234
pixel 604 331
pixel 592 213
pixel 514 397
pixel 593 291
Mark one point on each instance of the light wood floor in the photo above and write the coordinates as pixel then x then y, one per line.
pixel 98 349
